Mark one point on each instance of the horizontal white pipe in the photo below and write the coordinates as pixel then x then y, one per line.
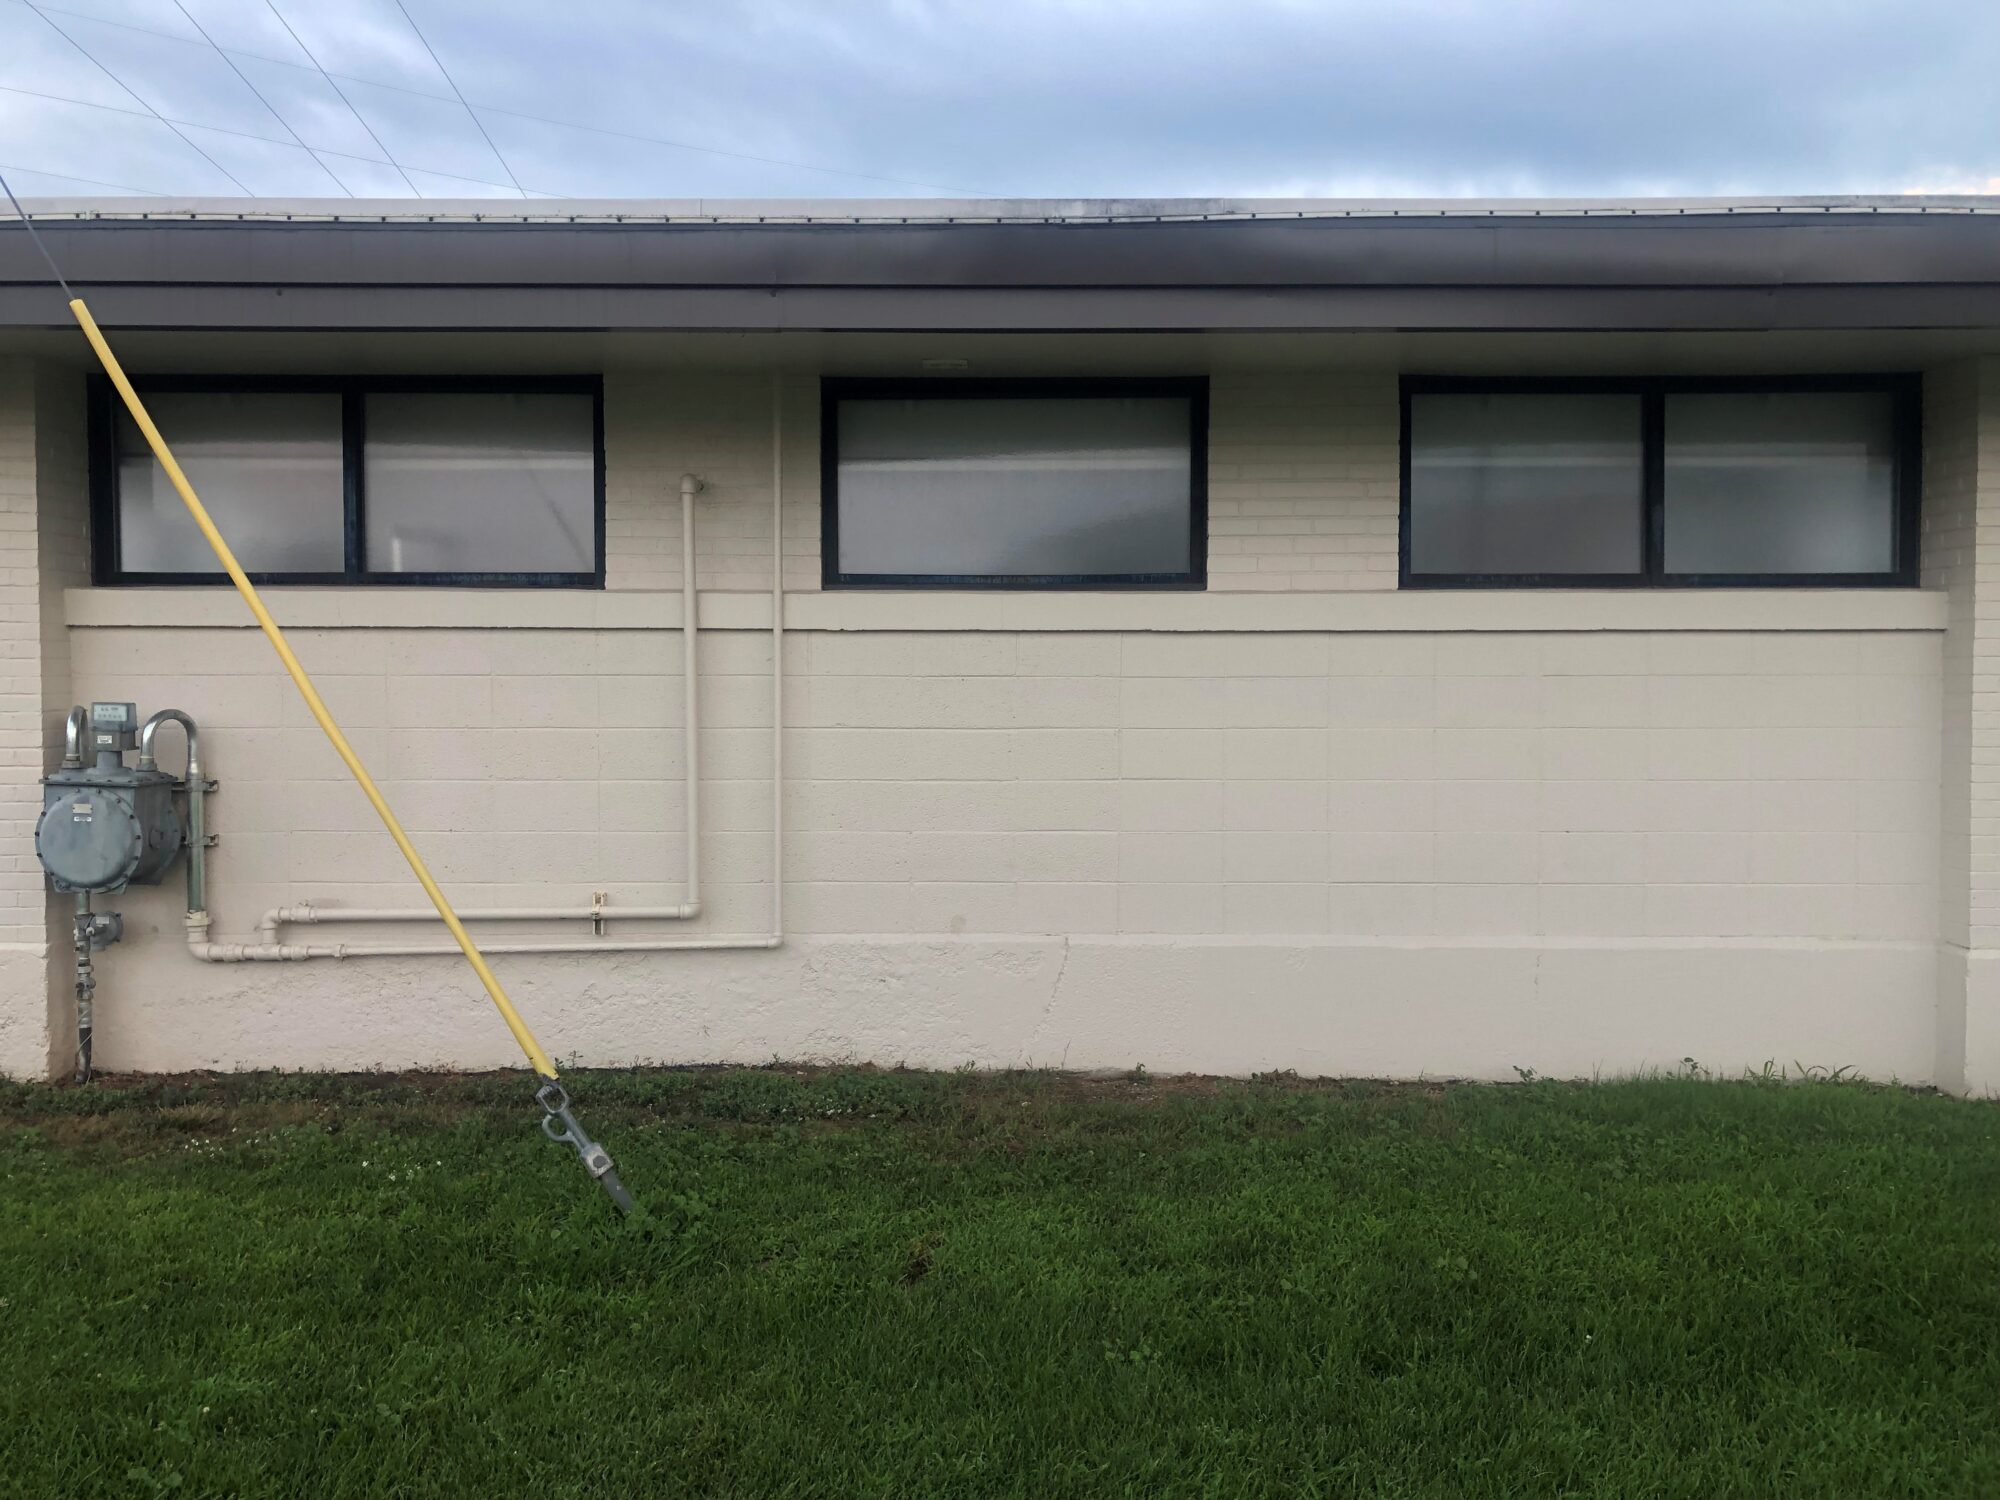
pixel 273 952
pixel 620 945
pixel 248 953
pixel 311 915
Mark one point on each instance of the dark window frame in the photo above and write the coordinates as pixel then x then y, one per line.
pixel 107 567
pixel 835 389
pixel 1906 397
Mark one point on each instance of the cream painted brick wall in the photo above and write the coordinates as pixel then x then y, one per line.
pixel 1595 786
pixel 62 550
pixel 1952 398
pixel 1961 543
pixel 23 907
pixel 1985 671
pixel 1302 480
pixel 41 549
pixel 1961 535
pixel 716 425
pixel 62 532
pixel 20 674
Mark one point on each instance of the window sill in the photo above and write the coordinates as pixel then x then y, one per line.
pixel 931 610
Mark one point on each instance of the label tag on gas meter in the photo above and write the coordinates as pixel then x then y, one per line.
pixel 79 812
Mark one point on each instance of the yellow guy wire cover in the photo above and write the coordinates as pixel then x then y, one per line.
pixel 536 1056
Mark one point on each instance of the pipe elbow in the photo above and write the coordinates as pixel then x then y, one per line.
pixel 284 916
pixel 692 485
pixel 151 728
pixel 207 952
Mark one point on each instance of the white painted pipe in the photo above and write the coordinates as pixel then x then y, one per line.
pixel 691 486
pixel 247 953
pixel 686 911
pixel 777 656
pixel 622 945
pixel 269 950
pixel 309 915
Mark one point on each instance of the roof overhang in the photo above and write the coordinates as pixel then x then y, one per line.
pixel 1206 266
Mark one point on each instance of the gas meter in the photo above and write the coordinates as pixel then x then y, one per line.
pixel 108 825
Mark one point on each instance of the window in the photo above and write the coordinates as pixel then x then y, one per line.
pixel 1526 484
pixel 1014 483
pixel 522 467
pixel 1669 481
pixel 1780 482
pixel 356 481
pixel 267 466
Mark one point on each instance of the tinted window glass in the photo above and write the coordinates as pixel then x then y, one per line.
pixel 1015 487
pixel 267 468
pixel 1794 482
pixel 1525 484
pixel 480 483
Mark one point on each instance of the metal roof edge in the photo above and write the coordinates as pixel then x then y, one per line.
pixel 936 211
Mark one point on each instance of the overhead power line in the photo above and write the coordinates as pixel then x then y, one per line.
pixel 123 187
pixel 515 114
pixel 270 140
pixel 41 245
pixel 768 161
pixel 271 108
pixel 314 60
pixel 92 60
pixel 461 98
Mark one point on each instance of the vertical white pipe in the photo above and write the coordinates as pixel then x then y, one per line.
pixel 268 948
pixel 690 694
pixel 778 654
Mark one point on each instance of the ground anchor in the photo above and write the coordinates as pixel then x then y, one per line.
pixel 560 1126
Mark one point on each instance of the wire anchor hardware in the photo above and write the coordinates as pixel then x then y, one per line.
pixel 560 1126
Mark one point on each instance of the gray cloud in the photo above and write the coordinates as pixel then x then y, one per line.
pixel 1030 98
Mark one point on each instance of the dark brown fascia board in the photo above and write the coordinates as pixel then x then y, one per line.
pixel 1743 271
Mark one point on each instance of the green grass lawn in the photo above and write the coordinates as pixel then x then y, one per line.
pixel 910 1284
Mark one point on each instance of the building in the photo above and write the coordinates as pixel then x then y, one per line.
pixel 1360 638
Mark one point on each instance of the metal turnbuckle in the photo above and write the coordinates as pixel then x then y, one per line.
pixel 560 1126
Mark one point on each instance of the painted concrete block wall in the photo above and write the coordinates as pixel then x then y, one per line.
pixel 1303 486
pixel 1388 851
pixel 1356 818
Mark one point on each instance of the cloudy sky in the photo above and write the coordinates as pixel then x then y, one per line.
pixel 894 98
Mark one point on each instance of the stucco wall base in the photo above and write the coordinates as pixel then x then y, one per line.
pixel 1229 1006
pixel 1969 1020
pixel 27 1049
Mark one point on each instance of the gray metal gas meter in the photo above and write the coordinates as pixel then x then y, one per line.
pixel 108 825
